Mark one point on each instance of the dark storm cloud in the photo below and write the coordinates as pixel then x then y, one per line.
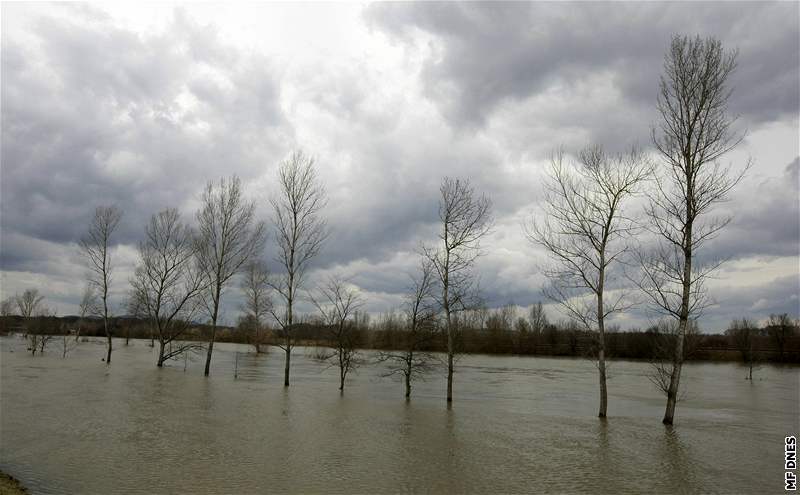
pixel 778 296
pixel 96 113
pixel 489 53
pixel 764 218
pixel 93 114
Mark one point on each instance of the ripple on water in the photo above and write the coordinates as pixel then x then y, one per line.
pixel 519 425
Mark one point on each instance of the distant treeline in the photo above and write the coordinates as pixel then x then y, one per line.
pixel 777 341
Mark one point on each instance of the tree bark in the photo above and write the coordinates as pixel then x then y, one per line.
pixel 286 368
pixel 210 350
pixel 214 316
pixel 675 377
pixel 601 354
pixel 160 354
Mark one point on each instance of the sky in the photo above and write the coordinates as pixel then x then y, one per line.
pixel 141 105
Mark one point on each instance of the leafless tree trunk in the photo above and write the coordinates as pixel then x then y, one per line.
pixel 584 233
pixel 299 233
pixel 257 303
pixel 336 302
pixel 695 132
pixel 412 361
pixel 229 237
pixel 96 250
pixel 167 282
pixel 465 218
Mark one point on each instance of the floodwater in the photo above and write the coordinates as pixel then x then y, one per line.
pixel 518 425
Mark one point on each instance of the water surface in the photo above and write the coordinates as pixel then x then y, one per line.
pixel 518 425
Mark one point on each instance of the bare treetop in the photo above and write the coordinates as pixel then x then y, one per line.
pixel 695 131
pixel 465 216
pixel 693 102
pixel 229 235
pixel 30 303
pixel 300 230
pixel 95 246
pixel 584 226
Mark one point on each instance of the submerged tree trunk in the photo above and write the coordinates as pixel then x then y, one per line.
pixel 286 368
pixel 160 354
pixel 683 322
pixel 450 351
pixel 601 354
pixel 210 350
pixel 603 388
pixel 408 372
pixel 214 316
pixel 108 354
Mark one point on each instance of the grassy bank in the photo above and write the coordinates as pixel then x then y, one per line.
pixel 10 485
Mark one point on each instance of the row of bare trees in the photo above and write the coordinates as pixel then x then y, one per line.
pixel 589 231
pixel 184 272
pixel 38 319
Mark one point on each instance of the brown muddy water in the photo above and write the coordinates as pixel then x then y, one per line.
pixel 518 425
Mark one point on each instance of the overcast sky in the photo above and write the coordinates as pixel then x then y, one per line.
pixel 141 105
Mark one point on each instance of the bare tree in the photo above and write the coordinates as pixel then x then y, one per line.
pixel 465 218
pixel 779 329
pixel 37 322
pixel 29 303
pixel 299 232
pixel 412 361
pixel 96 250
pixel 229 237
pixel 584 233
pixel 167 282
pixel 67 342
pixel 32 310
pixel 7 308
pixel 742 333
pixel 257 303
pixel 537 319
pixel 89 306
pixel 337 301
pixel 695 131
